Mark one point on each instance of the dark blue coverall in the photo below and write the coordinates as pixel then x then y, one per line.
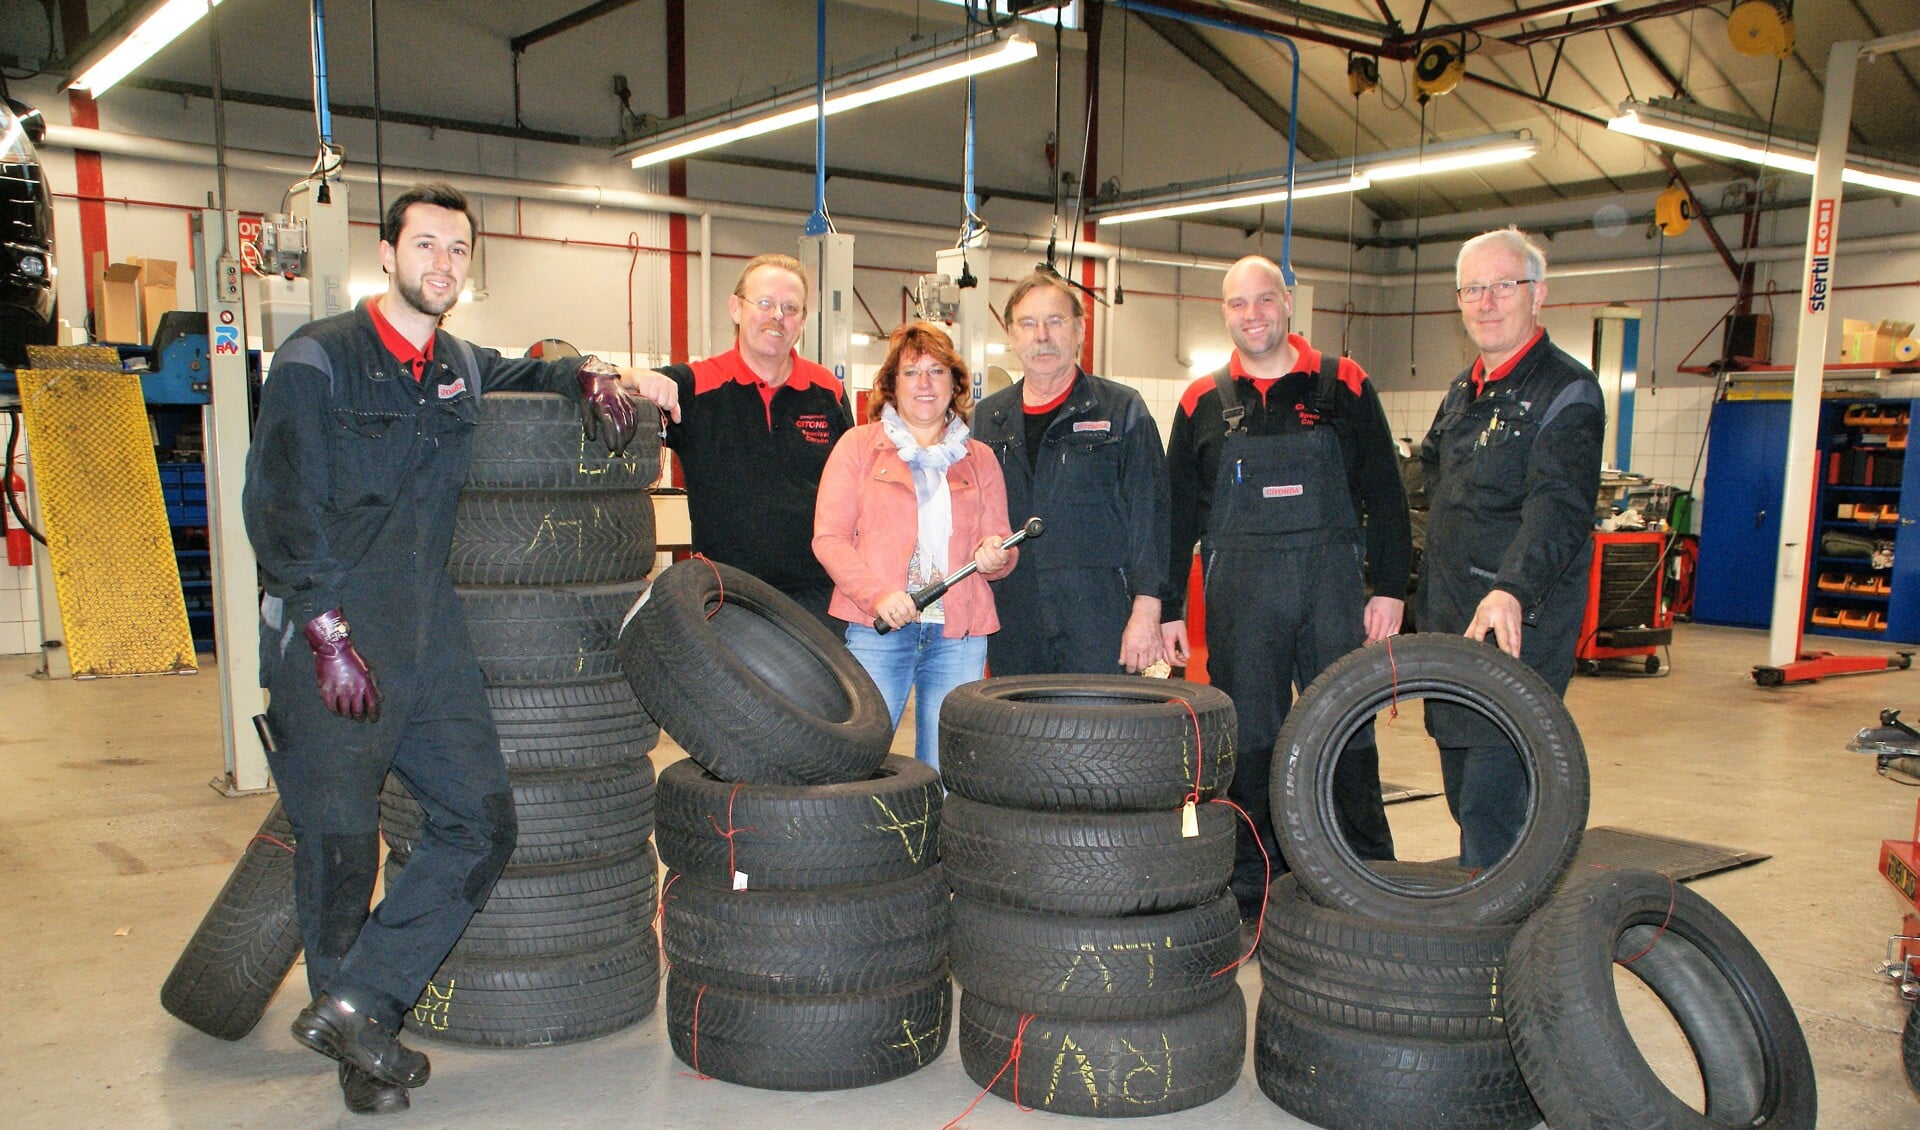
pixel 1513 473
pixel 1099 482
pixel 352 480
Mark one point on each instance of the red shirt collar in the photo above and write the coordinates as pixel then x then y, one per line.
pixel 1306 360
pixel 1482 378
pixel 1056 402
pixel 403 350
pixel 805 375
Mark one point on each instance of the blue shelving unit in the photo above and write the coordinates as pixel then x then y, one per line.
pixel 184 488
pixel 1867 489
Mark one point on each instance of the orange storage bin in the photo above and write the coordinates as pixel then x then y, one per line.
pixel 1832 582
pixel 1827 617
pixel 1860 621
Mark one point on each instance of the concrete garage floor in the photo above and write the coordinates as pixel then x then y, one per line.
pixel 112 845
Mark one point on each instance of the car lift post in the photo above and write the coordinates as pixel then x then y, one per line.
pixel 1786 662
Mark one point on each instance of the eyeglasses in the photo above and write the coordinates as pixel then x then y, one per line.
pixel 1501 289
pixel 931 373
pixel 769 306
pixel 1054 322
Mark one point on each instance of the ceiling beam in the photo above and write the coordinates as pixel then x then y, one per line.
pixel 566 23
pixel 1212 62
pixel 1603 22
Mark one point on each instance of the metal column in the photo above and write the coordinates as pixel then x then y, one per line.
pixel 1810 355
pixel 228 431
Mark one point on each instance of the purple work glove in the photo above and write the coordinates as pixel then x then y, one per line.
pixel 346 686
pixel 606 413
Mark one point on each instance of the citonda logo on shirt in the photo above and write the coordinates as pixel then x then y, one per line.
pixel 1291 490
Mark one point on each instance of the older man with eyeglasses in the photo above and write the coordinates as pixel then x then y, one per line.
pixel 1513 469
pixel 1082 453
pixel 755 427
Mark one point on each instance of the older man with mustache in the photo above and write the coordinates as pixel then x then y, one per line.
pixel 1083 454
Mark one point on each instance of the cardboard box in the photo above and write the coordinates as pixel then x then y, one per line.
pixel 1871 343
pixel 116 301
pixel 158 293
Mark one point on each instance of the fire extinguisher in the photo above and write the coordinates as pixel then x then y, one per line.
pixel 19 541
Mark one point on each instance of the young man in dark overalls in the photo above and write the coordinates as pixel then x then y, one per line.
pixel 1283 466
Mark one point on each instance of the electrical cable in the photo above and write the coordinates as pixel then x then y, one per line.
pixel 6 474
pixel 1413 319
pixel 379 160
pixel 1346 325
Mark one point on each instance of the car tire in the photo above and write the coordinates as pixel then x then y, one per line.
pixel 1573 1042
pixel 1086 743
pixel 749 683
pixel 246 942
pixel 1466 672
pixel 1105 863
pixel 1105 1068
pixel 800 837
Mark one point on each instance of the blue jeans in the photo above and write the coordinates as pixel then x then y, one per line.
pixel 918 658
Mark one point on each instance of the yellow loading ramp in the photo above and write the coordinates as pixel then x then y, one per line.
pixel 115 574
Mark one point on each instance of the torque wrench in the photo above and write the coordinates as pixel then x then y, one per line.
pixel 1033 529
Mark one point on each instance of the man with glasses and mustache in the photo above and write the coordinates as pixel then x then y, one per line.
pixel 1083 454
pixel 1513 469
pixel 755 427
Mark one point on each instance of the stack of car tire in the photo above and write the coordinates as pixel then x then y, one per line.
pixel 804 913
pixel 552 544
pixel 1093 932
pixel 1405 994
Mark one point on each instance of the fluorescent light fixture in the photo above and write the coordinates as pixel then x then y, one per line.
pixel 954 58
pixel 162 24
pixel 1702 131
pixel 1449 156
pixel 858 338
pixel 1185 201
pixel 1321 178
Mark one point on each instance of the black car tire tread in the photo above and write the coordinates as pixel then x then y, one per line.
pixel 1106 1068
pixel 1472 674
pixel 1573 1042
pixel 534 441
pixel 1341 1078
pixel 799 943
pixel 1106 863
pixel 800 837
pixel 556 634
pixel 1392 978
pixel 1086 743
pixel 565 817
pixel 808 1043
pixel 559 908
pixel 246 942
pixel 1082 968
pixel 551 537
pixel 536 1002
pixel 584 725
pixel 749 683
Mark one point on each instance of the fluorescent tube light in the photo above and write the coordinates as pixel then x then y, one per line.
pixel 1439 159
pixel 956 58
pixel 161 26
pixel 1320 178
pixel 1733 141
pixel 1247 197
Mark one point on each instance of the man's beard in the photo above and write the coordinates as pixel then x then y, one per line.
pixel 414 295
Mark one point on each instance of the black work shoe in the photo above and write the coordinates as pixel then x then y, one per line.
pixel 367 1095
pixel 333 1027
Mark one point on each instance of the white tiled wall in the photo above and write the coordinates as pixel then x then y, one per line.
pixel 19 608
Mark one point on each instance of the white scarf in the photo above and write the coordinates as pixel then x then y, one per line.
pixel 929 466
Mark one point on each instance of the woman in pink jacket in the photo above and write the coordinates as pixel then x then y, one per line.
pixel 903 502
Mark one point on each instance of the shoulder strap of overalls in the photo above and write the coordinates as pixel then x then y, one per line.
pixel 1323 387
pixel 1231 410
